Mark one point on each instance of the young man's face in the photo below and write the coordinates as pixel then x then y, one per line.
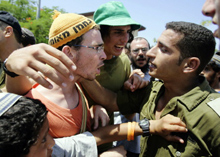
pixel 88 61
pixel 138 52
pixel 212 8
pixel 116 41
pixel 164 57
pixel 44 143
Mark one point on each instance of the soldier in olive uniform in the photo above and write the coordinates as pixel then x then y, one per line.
pixel 181 53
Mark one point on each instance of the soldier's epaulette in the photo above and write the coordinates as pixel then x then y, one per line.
pixel 215 105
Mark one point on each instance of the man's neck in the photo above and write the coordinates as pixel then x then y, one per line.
pixel 7 48
pixel 173 89
pixel 64 96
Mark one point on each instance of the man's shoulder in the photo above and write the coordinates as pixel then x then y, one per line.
pixel 214 103
pixel 124 57
pixel 209 106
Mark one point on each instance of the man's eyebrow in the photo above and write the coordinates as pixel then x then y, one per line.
pixel 140 48
pixel 118 29
pixel 162 44
pixel 98 45
pixel 167 47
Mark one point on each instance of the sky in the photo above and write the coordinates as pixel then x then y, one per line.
pixel 152 14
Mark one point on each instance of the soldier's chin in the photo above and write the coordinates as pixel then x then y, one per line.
pixel 216 33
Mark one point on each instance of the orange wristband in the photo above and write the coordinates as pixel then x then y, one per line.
pixel 132 130
pixel 129 131
pixel 130 135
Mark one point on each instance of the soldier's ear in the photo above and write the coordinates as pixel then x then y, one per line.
pixel 191 64
pixel 8 31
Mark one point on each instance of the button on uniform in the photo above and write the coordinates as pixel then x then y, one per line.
pixel 178 154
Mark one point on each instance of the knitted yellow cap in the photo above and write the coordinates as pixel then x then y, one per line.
pixel 67 27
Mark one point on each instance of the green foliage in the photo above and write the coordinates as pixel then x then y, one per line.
pixel 25 11
pixel 206 22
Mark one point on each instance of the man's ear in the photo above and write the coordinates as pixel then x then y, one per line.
pixel 191 64
pixel 8 31
pixel 68 51
pixel 218 74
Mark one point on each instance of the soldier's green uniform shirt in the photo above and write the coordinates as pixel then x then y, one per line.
pixel 203 123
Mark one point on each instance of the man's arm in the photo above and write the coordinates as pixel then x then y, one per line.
pixel 163 127
pixel 101 95
pixel 68 146
pixel 31 60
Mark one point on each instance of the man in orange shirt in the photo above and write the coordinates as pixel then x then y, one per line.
pixel 80 39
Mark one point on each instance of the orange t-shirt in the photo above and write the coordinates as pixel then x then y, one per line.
pixel 62 122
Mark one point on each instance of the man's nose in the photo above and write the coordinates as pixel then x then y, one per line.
pixel 208 8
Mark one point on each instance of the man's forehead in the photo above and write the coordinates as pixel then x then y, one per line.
pixel 170 37
pixel 121 28
pixel 93 37
pixel 137 43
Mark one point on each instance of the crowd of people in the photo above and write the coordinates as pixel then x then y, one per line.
pixel 96 90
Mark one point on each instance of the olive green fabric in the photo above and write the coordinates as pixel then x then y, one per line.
pixel 113 75
pixel 115 72
pixel 203 137
pixel 2 76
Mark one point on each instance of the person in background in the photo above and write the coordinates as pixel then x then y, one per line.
pixel 27 37
pixel 30 60
pixel 212 72
pixel 10 40
pixel 137 50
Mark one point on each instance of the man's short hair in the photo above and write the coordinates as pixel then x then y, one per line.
pixel 197 41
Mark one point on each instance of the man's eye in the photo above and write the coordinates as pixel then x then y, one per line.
pixel 96 48
pixel 44 140
pixel 99 47
pixel 163 49
pixel 135 51
pixel 144 49
pixel 118 32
